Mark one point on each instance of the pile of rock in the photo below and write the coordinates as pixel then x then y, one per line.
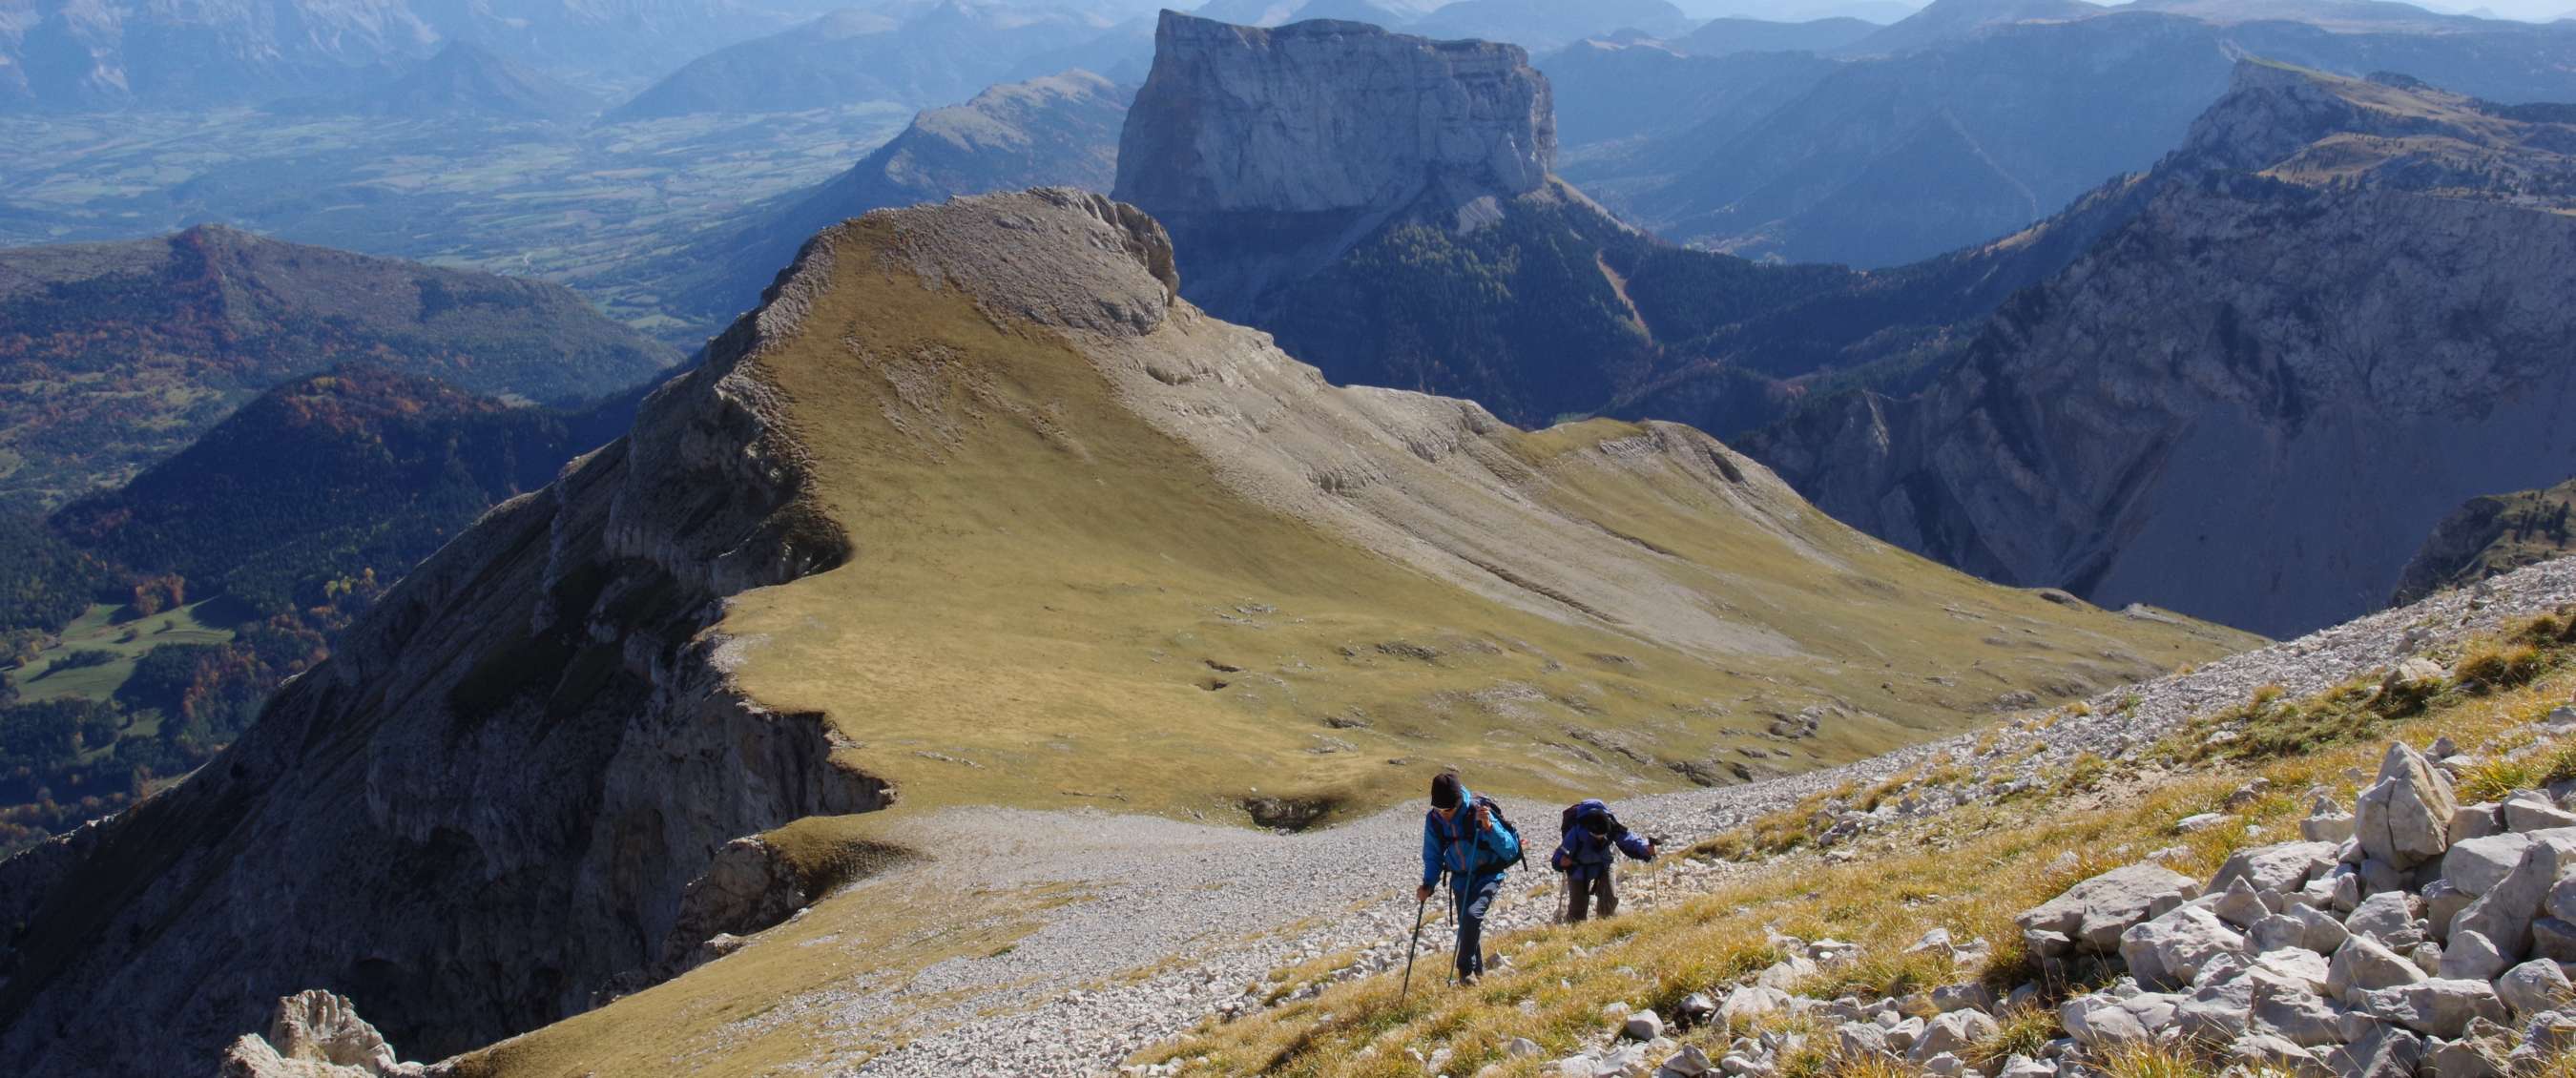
pixel 2411 936
pixel 317 1034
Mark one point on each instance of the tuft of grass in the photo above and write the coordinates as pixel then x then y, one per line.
pixel 2020 1031
pixel 2155 1061
pixel 2491 665
pixel 2546 630
pixel 2492 780
pixel 2085 772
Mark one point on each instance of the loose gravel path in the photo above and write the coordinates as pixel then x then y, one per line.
pixel 1187 919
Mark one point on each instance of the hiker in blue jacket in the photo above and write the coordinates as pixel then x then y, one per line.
pixel 1593 840
pixel 1466 837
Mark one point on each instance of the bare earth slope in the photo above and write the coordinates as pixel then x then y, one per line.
pixel 974 512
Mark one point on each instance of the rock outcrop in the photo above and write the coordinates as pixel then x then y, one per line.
pixel 317 1035
pixel 2331 321
pixel 1299 141
pixel 2353 963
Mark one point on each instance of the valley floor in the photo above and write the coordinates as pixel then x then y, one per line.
pixel 1064 943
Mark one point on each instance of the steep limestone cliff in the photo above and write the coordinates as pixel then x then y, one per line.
pixel 2334 318
pixel 1285 147
pixel 1383 204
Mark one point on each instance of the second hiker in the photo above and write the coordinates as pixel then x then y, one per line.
pixel 1466 837
pixel 1593 840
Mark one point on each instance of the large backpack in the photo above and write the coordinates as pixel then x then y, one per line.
pixel 1579 810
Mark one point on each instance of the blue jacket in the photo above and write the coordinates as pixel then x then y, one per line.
pixel 1447 845
pixel 1586 855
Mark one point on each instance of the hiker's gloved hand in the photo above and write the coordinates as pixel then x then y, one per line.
pixel 1422 893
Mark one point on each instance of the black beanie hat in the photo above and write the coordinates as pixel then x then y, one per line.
pixel 1597 822
pixel 1444 790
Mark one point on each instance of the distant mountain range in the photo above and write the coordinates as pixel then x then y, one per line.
pixel 64 54
pixel 917 53
pixel 1057 130
pixel 2315 330
pixel 1987 117
pixel 1720 37
pixel 1539 24
pixel 120 354
pixel 466 79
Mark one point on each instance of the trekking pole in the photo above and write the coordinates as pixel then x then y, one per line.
pixel 1411 944
pixel 1457 928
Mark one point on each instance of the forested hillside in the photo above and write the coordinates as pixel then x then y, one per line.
pixel 148 624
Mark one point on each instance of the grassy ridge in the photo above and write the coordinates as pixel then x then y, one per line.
pixel 1054 590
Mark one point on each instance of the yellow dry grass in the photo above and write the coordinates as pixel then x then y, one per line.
pixel 1968 871
pixel 1054 604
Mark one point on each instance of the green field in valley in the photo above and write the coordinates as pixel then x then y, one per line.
pixel 46 677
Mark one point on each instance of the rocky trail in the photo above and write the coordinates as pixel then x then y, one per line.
pixel 1178 922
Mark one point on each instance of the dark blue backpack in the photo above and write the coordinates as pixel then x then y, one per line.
pixel 1575 813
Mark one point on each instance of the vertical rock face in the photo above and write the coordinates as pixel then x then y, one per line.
pixel 486 807
pixel 2334 317
pixel 1234 117
pixel 1227 140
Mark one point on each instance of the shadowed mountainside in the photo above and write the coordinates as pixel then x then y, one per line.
pixel 2323 323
